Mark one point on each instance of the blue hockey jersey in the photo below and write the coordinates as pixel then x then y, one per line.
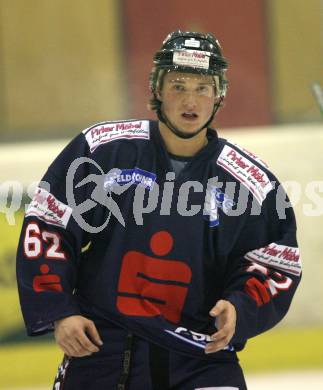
pixel 112 234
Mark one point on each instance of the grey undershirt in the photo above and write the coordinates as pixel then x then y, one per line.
pixel 178 165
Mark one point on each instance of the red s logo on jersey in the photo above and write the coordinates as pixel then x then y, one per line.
pixel 149 286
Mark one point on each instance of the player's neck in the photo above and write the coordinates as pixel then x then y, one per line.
pixel 180 146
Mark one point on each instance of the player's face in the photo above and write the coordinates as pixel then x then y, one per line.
pixel 188 100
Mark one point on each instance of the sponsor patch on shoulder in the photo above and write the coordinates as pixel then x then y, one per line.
pixel 243 169
pixel 250 154
pixel 49 209
pixel 103 133
pixel 282 257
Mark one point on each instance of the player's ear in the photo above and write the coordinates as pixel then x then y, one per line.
pixel 159 95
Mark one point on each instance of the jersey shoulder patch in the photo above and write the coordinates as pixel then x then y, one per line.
pixel 248 153
pixel 281 257
pixel 105 132
pixel 245 170
pixel 48 208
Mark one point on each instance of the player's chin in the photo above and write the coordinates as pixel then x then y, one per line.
pixel 190 128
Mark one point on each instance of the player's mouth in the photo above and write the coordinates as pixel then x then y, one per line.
pixel 189 116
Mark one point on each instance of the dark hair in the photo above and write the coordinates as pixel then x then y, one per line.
pixel 156 81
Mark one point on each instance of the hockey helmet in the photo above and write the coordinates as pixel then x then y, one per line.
pixel 191 52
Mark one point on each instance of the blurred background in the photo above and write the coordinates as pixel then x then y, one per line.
pixel 67 64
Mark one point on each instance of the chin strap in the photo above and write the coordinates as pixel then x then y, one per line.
pixel 163 118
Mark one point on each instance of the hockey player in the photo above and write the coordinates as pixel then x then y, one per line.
pixel 155 249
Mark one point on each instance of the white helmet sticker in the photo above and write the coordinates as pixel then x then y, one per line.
pixel 192 42
pixel 192 58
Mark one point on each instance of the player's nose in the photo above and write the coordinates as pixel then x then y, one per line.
pixel 189 100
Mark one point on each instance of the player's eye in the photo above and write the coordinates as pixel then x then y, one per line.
pixel 178 88
pixel 203 89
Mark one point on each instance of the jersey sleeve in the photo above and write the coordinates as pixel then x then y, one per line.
pixel 263 279
pixel 50 246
